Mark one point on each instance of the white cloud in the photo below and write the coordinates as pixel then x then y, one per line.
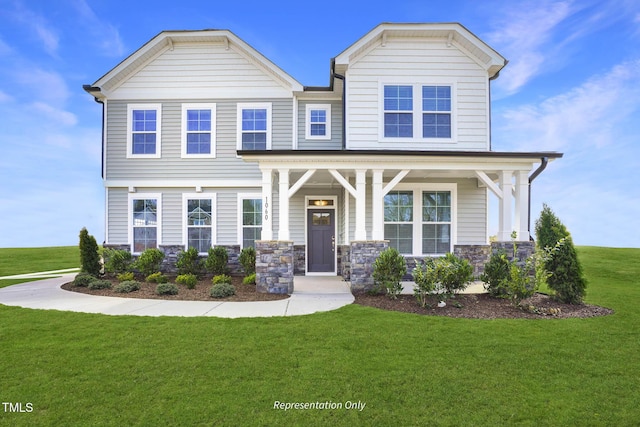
pixel 524 30
pixel 56 115
pixel 104 34
pixel 39 26
pixel 47 86
pixel 5 97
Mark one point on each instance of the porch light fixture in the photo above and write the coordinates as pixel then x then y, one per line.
pixel 321 202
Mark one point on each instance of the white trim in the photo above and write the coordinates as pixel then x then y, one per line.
pixel 239 224
pixel 144 196
pixel 158 132
pixel 294 125
pixel 106 216
pixel 183 131
pixel 177 183
pixel 417 211
pixel 253 105
pixel 307 120
pixel 214 217
pixel 417 111
pixel 104 137
pixel 306 233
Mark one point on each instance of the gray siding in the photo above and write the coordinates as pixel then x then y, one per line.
pixel 335 143
pixel 171 166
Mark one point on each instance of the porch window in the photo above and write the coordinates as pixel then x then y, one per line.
pixel 251 221
pixel 144 224
pixel 199 224
pixel 436 222
pixel 398 111
pixel 398 220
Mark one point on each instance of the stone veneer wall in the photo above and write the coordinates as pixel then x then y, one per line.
pixel 274 266
pixel 523 249
pixel 363 254
pixel 344 261
pixel 299 260
pixel 477 255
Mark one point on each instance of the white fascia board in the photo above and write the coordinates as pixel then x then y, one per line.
pixel 212 183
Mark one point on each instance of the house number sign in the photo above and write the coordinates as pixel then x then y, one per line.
pixel 266 208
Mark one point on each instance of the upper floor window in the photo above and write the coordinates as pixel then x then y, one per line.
pixel 398 111
pixel 143 130
pixel 198 130
pixel 436 111
pixel 417 112
pixel 318 123
pixel 254 126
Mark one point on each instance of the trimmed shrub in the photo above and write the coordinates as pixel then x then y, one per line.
pixel 454 274
pixel 125 277
pixel 189 280
pixel 83 279
pixel 188 262
pixel 167 289
pixel 99 284
pixel 89 257
pixel 216 262
pixel 222 290
pixel 496 275
pixel 249 280
pixel 149 261
pixel 157 278
pixel 425 276
pixel 248 260
pixel 565 278
pixel 388 270
pixel 221 278
pixel 127 286
pixel 117 261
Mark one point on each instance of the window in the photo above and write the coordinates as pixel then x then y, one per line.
pixel 426 116
pixel 436 222
pixel 436 111
pixel 145 220
pixel 198 130
pixel 318 123
pixel 250 227
pixel 419 219
pixel 143 130
pixel 199 225
pixel 398 111
pixel 398 220
pixel 254 126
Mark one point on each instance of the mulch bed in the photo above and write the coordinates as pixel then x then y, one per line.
pixel 472 306
pixel 200 293
pixel 482 306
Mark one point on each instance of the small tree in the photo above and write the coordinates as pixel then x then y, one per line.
pixel 248 260
pixel 89 257
pixel 566 278
pixel 388 270
pixel 454 274
pixel 425 276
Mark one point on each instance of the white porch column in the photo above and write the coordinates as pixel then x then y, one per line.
pixel 283 192
pixel 522 205
pixel 361 214
pixel 267 205
pixel 504 217
pixel 377 230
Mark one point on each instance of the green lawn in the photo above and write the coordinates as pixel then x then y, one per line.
pixel 32 260
pixel 83 369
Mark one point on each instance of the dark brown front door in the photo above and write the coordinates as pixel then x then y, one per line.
pixel 321 240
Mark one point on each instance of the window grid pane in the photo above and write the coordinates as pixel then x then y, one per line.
pixel 199 224
pixel 145 222
pixel 398 217
pixel 436 217
pixel 398 98
pixel 251 221
pixel 254 129
pixel 143 137
pixel 436 107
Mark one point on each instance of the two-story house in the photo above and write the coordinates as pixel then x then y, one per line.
pixel 207 142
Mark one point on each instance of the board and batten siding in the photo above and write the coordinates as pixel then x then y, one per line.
pixel 407 61
pixel 200 71
pixel 171 165
pixel 335 143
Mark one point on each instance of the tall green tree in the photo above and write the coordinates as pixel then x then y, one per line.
pixel 566 277
pixel 89 257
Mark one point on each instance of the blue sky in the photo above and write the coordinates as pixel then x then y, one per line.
pixel 572 85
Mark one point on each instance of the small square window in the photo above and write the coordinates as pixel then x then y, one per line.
pixel 318 121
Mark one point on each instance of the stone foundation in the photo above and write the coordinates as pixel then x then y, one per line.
pixel 299 260
pixel 477 255
pixel 362 255
pixel 170 257
pixel 274 266
pixel 344 261
pixel 523 250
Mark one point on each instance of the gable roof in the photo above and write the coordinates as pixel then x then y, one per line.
pixel 453 33
pixel 165 41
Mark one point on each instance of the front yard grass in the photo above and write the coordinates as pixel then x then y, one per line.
pixel 83 369
pixel 33 260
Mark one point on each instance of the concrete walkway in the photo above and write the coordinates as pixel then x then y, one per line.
pixel 311 295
